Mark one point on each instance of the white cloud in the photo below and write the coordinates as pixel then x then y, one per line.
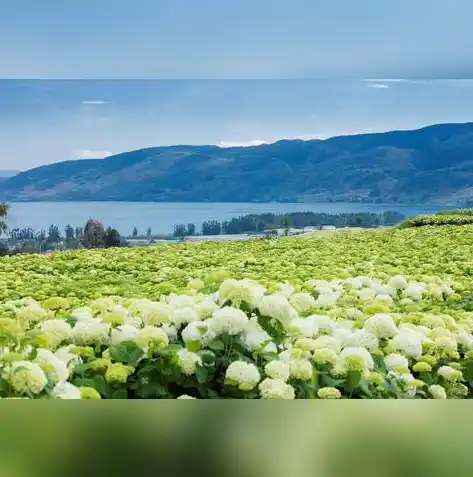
pixel 377 85
pixel 94 102
pixel 254 142
pixel 394 80
pixel 88 154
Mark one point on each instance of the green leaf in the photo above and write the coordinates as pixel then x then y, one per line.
pixel 82 368
pixel 468 370
pixel 127 352
pixel 120 394
pixel 193 346
pixel 84 382
pixel 201 374
pixel 364 386
pixel 216 345
pixel 101 386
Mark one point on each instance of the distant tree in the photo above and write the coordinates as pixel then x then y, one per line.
pixel 190 230
pixel 94 234
pixel 112 238
pixel 79 233
pixel 135 232
pixel 54 234
pixel 41 235
pixel 286 225
pixel 211 227
pixel 180 231
pixel 3 213
pixel 148 232
pixel 69 232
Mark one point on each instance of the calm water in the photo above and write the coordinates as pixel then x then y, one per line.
pixel 162 217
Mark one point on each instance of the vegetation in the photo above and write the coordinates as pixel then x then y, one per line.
pixel 380 314
pixel 260 223
pixel 400 166
pixel 445 217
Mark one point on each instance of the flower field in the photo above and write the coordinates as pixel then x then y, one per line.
pixel 374 315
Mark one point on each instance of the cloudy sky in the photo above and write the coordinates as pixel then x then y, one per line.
pixel 223 72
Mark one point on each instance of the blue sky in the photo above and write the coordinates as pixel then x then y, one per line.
pixel 197 55
pixel 43 121
pixel 236 38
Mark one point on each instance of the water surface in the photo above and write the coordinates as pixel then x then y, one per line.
pixel 162 217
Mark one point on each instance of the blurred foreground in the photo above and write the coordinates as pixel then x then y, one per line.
pixel 277 439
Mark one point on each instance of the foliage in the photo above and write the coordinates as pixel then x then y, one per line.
pixel 455 212
pixel 94 234
pixel 437 220
pixel 3 213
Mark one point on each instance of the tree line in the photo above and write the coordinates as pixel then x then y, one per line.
pixel 29 240
pixel 261 223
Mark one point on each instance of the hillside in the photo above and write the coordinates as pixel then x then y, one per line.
pixel 429 165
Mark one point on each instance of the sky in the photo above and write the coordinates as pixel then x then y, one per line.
pixel 88 79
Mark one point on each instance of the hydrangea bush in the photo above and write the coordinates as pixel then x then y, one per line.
pixel 357 337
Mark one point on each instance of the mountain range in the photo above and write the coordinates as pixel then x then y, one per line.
pixel 431 165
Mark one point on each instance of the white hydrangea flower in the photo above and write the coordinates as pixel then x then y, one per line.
pixel 396 361
pixel 70 359
pixel 398 282
pixel 278 307
pixel 409 342
pixel 188 361
pixel 86 332
pixel 323 322
pixel 414 291
pixel 302 302
pixel 180 301
pixel 194 331
pixel 57 331
pixel 170 330
pixel 301 369
pixel 157 313
pixel 381 325
pixel 229 320
pixel 363 338
pixel 330 342
pixel 206 307
pixel 354 359
pixel 241 291
pixel 437 391
pixel 27 377
pixel 277 370
pixel 326 300
pixel 286 289
pixel 276 389
pixel 123 333
pixel 183 316
pixel 463 338
pixel 65 390
pixel 82 314
pixel 185 396
pixel 243 375
pixel 151 337
pixel 254 338
pixel 58 369
pixel 303 327
pixel 449 374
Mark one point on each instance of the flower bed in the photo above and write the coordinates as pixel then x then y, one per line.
pixel 388 316
pixel 346 338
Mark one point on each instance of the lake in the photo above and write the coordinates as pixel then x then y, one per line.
pixel 162 217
